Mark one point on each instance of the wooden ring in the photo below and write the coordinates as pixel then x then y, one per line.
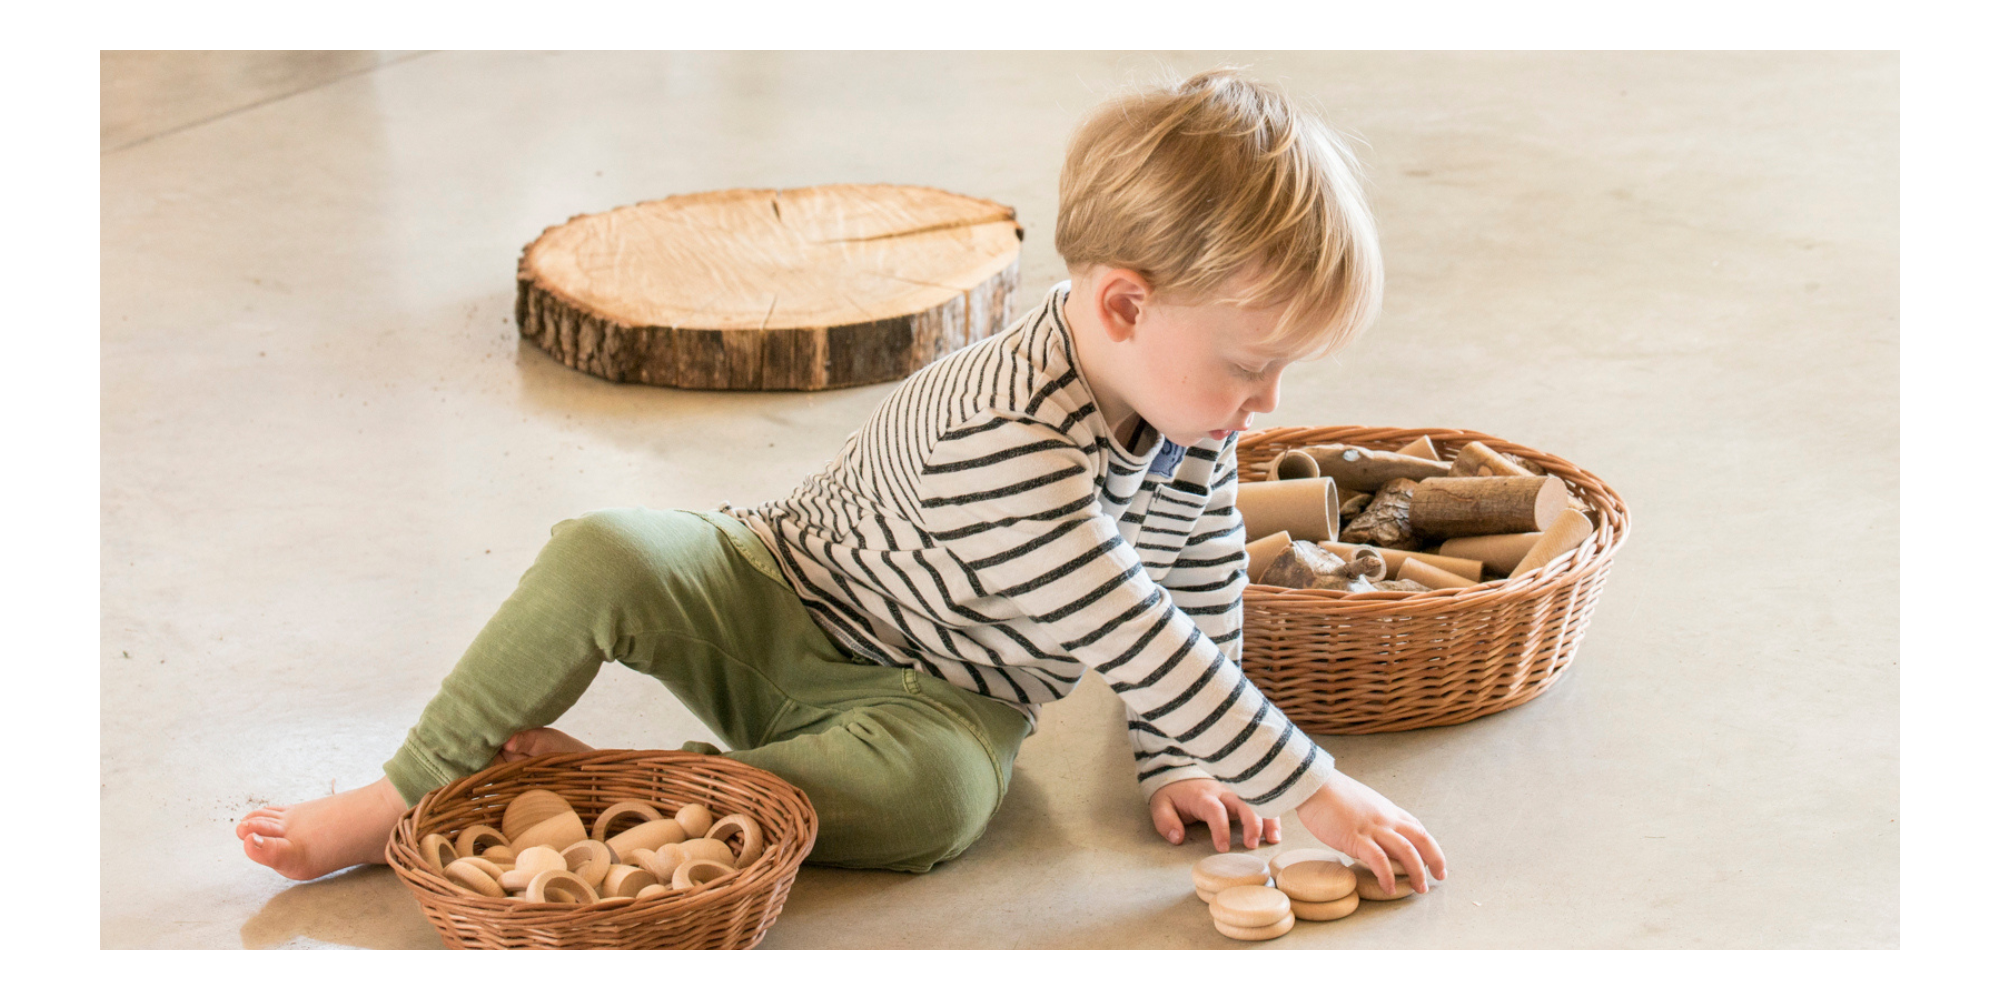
pixel 469 842
pixel 699 871
pixel 469 879
pixel 589 860
pixel 625 880
pixel 656 889
pixel 437 851
pixel 560 887
pixel 623 809
pixel 753 837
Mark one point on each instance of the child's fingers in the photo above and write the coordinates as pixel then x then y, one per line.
pixel 1271 827
pixel 1378 862
pixel 1405 853
pixel 1167 819
pixel 1211 811
pixel 1253 824
pixel 1433 854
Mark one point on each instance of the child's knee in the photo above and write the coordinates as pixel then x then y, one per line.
pixel 911 817
pixel 604 544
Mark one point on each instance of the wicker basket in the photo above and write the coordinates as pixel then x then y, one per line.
pixel 1341 663
pixel 733 911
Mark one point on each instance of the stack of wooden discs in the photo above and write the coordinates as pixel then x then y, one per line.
pixel 1311 884
pixel 542 853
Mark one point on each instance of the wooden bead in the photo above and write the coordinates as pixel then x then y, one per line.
pixel 500 855
pixel 538 859
pixel 699 871
pixel 1279 862
pixel 588 860
pixel 474 838
pixel 560 887
pixel 1331 910
pixel 1217 872
pixel 1317 881
pixel 625 880
pixel 707 849
pixel 650 835
pixel 558 831
pixel 1264 933
pixel 621 810
pixel 531 807
pixel 437 851
pixel 739 824
pixel 470 880
pixel 695 819
pixel 656 889
pixel 1250 906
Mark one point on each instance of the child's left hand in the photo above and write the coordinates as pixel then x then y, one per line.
pixel 1206 800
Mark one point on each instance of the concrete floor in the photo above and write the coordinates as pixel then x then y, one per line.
pixel 326 457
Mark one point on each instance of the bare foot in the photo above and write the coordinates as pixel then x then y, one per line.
pixel 535 742
pixel 310 839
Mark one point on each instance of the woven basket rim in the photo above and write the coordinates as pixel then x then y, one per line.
pixel 767 878
pixel 1564 571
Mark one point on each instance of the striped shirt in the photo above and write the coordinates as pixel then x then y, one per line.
pixel 983 527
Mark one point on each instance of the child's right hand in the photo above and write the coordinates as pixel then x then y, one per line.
pixel 1359 822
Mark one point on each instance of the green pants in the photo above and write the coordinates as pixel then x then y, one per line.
pixel 904 770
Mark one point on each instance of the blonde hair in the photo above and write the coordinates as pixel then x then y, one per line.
pixel 1193 185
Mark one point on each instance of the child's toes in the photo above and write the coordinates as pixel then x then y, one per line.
pixel 273 852
pixel 243 828
pixel 266 826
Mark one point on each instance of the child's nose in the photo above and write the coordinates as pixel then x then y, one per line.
pixel 1264 400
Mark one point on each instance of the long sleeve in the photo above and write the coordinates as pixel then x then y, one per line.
pixel 1014 501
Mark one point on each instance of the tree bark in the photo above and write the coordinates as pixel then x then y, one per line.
pixel 806 288
pixel 1450 506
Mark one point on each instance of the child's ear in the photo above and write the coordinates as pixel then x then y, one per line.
pixel 1121 297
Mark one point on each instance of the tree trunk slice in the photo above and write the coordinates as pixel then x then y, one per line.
pixel 805 288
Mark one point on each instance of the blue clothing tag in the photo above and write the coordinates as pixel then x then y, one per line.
pixel 1167 459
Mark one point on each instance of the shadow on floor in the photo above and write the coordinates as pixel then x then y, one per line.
pixel 362 907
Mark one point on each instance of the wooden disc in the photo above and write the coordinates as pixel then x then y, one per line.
pixel 1250 906
pixel 1264 933
pixel 1217 872
pixel 1326 911
pixel 1317 881
pixel 1280 862
pixel 805 288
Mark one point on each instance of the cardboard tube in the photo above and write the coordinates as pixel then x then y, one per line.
pixel 1499 553
pixel 1569 531
pixel 1306 508
pixel 1415 568
pixel 1421 448
pixel 1294 465
pixel 1394 559
pixel 1265 549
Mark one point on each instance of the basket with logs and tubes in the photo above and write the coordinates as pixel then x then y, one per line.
pixel 1409 578
pixel 804 288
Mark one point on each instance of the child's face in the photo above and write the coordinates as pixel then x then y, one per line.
pixel 1193 373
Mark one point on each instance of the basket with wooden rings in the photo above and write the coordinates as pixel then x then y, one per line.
pixel 732 911
pixel 1342 663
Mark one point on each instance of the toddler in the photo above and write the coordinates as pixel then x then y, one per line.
pixel 1056 499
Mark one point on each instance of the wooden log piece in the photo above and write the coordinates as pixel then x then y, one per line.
pixel 1386 522
pixel 1352 504
pixel 1307 509
pixel 1421 448
pixel 1568 532
pixel 1415 568
pixel 1476 459
pixel 1365 470
pixel 1301 565
pixel 1499 554
pixel 1448 507
pixel 1263 550
pixel 1393 559
pixel 804 288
